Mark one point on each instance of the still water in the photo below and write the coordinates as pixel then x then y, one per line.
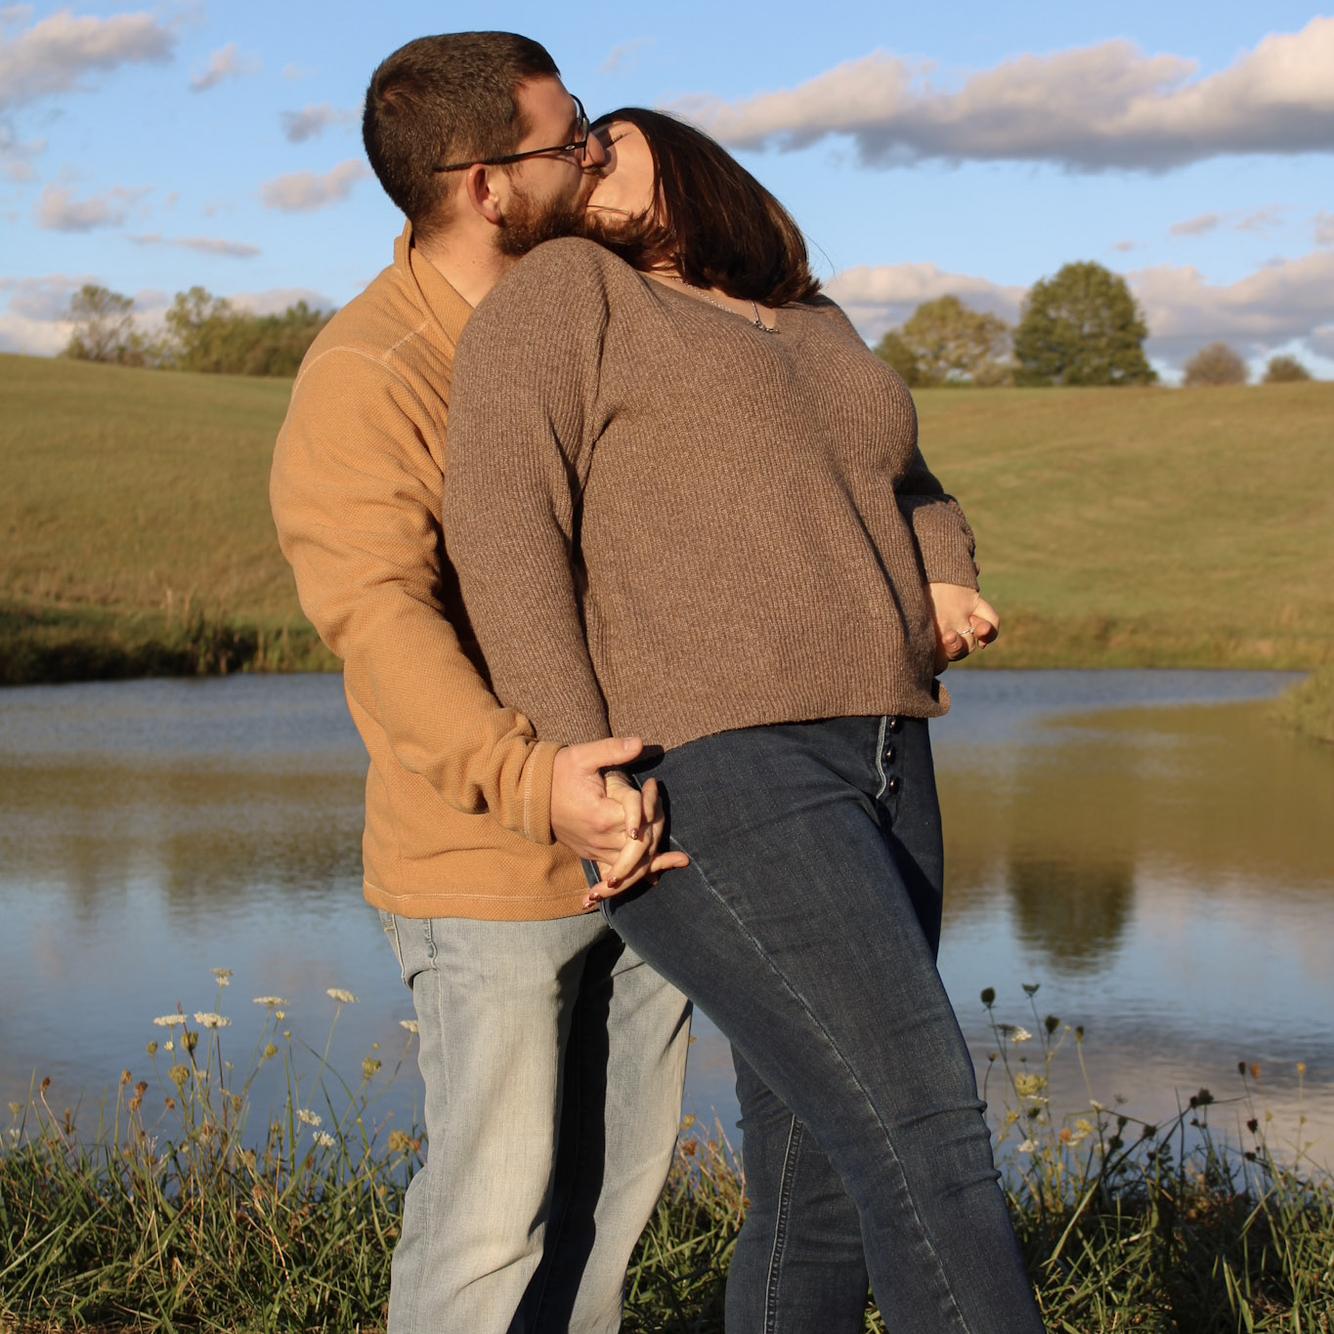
pixel 1145 846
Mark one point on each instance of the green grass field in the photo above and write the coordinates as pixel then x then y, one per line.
pixel 1121 527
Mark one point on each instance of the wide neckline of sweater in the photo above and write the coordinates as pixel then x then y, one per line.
pixel 781 323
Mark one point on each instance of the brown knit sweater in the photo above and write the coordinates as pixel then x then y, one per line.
pixel 668 523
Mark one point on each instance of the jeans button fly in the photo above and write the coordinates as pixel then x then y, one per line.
pixel 890 753
pixel 893 785
pixel 895 724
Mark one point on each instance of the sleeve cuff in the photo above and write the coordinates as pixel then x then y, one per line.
pixel 537 774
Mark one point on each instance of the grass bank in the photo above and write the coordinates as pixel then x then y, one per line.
pixel 179 1211
pixel 1118 528
pixel 1309 706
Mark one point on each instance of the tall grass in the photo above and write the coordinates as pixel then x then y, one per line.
pixel 180 1211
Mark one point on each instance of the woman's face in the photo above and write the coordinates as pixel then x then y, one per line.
pixel 625 188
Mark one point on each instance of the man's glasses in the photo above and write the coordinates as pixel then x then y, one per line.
pixel 579 145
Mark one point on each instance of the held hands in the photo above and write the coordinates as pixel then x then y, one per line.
pixel 965 621
pixel 605 818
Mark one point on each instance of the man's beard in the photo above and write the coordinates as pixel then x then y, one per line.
pixel 527 224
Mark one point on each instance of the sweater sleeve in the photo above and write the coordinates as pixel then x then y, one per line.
pixel 938 524
pixel 355 494
pixel 521 428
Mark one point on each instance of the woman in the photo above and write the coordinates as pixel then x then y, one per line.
pixel 686 502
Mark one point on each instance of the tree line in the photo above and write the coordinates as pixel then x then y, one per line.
pixel 1082 326
pixel 200 332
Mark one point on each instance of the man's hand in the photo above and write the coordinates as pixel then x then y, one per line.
pixel 965 621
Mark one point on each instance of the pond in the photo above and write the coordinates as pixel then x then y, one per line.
pixel 1146 847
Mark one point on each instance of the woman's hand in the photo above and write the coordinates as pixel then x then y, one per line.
pixel 639 859
pixel 965 621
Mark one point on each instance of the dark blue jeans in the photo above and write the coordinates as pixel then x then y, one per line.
pixel 804 928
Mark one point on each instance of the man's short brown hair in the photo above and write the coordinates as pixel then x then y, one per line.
pixel 449 98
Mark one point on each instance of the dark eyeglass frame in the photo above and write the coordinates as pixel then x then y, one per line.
pixel 577 145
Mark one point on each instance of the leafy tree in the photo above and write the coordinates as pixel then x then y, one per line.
pixel 208 333
pixel 955 344
pixel 1081 326
pixel 892 349
pixel 1285 370
pixel 1216 364
pixel 104 328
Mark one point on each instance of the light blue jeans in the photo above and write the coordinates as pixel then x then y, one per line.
pixel 553 1059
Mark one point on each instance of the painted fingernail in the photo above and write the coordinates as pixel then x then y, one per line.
pixel 614 882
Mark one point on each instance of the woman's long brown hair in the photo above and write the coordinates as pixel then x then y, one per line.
pixel 715 222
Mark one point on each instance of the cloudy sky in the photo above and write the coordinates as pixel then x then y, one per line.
pixel 969 148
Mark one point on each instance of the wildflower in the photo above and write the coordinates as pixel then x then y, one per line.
pixel 1029 1086
pixel 988 996
pixel 309 1118
pixel 151 1049
pixel 688 1123
pixel 400 1141
pixel 1031 988
pixel 270 1051
pixel 341 996
pixel 1021 1035
pixel 224 976
pixel 15 1108
pixel 1028 1146
pixel 370 1068
pixel 280 1015
pixel 1301 1067
pixel 1096 1105
pixel 206 1019
pixel 179 1075
pixel 324 1139
pixel 1083 1129
pixel 169 1045
pixel 13 1134
pixel 270 1001
pixel 410 1024
pixel 169 1020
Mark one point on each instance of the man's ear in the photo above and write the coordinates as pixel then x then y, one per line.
pixel 479 190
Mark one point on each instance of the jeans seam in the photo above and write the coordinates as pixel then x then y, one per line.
pixel 755 945
pixel 880 758
pixel 791 1155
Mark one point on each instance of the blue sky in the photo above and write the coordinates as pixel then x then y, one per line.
pixel 970 148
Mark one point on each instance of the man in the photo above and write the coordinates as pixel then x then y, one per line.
pixel 552 1057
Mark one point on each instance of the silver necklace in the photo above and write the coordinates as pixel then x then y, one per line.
pixel 756 320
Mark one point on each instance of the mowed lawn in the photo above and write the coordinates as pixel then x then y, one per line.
pixel 1116 526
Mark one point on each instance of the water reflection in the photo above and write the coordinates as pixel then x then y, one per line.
pixel 1165 870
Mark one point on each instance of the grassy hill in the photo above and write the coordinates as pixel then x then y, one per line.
pixel 1120 527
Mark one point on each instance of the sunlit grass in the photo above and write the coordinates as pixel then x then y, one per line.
pixel 1117 527
pixel 180 1209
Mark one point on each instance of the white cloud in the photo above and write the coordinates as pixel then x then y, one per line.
pixel 311 121
pixel 59 211
pixel 225 63
pixel 1086 109
pixel 879 297
pixel 54 55
pixel 275 300
pixel 1281 302
pixel 16 156
pixel 302 191
pixel 624 57
pixel 1206 222
pixel 204 245
pixel 1257 220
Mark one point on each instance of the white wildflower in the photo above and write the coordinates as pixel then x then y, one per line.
pixel 1021 1035
pixel 169 1020
pixel 1028 1146
pixel 270 1001
pixel 1029 1086
pixel 169 1045
pixel 224 976
pixel 207 1019
pixel 410 1024
pixel 341 996
pixel 309 1118
pixel 1096 1105
pixel 324 1139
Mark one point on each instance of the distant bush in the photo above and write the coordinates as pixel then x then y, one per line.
pixel 1285 370
pixel 1216 364
pixel 104 328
